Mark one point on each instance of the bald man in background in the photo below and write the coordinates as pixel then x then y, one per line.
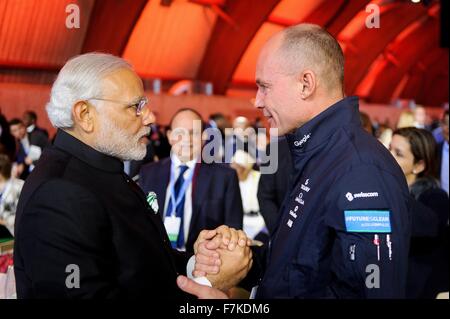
pixel 211 196
pixel 344 227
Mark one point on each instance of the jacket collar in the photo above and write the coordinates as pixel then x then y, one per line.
pixel 318 130
pixel 87 154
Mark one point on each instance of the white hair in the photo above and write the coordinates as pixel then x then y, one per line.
pixel 80 79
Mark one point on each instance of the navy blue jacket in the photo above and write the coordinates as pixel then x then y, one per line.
pixel 316 252
pixel 216 198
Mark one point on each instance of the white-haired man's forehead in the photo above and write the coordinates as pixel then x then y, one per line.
pixel 122 82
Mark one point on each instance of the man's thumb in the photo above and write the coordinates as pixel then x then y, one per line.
pixel 182 281
pixel 202 292
pixel 189 286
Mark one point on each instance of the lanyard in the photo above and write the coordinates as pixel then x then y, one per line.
pixel 176 201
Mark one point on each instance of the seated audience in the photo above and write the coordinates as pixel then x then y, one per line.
pixel 7 141
pixel 30 147
pixel 10 188
pixel 29 119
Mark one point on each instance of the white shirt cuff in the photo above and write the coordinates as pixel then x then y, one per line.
pixel 190 268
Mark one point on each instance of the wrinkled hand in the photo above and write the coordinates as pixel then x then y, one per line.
pixel 207 259
pixel 229 237
pixel 234 267
pixel 201 291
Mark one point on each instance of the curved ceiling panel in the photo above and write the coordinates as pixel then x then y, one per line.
pixel 169 41
pixel 245 71
pixel 289 12
pixel 333 15
pixel 428 80
pixel 344 15
pixel 363 45
pixel 183 39
pixel 230 40
pixel 33 33
pixel 401 57
pixel 104 33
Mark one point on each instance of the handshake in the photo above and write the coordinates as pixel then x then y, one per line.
pixel 224 257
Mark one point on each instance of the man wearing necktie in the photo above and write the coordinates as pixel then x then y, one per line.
pixel 175 210
pixel 194 195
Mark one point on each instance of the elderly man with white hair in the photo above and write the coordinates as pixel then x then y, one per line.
pixel 84 229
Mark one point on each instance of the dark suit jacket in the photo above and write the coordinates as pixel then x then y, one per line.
pixel 79 208
pixel 273 188
pixel 428 255
pixel 36 138
pixel 216 198
pixel 40 129
pixel 7 141
pixel 439 151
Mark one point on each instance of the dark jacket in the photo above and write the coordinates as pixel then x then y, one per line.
pixel 428 256
pixel 272 188
pixel 79 209
pixel 347 191
pixel 216 198
pixel 37 138
pixel 7 141
pixel 40 129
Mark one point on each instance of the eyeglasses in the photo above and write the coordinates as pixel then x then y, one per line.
pixel 139 105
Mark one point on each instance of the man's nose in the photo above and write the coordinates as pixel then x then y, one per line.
pixel 258 101
pixel 147 116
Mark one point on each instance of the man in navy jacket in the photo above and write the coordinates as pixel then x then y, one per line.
pixel 344 227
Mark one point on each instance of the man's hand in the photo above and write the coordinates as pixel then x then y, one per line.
pixel 28 160
pixel 201 291
pixel 234 267
pixel 207 259
pixel 227 236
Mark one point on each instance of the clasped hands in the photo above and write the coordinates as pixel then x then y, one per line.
pixel 224 256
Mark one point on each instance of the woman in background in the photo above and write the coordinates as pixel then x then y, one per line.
pixel 415 151
pixel 242 163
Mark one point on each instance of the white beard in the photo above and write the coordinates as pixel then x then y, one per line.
pixel 115 142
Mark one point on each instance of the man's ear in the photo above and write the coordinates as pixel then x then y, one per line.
pixel 169 136
pixel 83 116
pixel 308 83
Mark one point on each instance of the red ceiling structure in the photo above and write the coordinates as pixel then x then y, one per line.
pixel 218 41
